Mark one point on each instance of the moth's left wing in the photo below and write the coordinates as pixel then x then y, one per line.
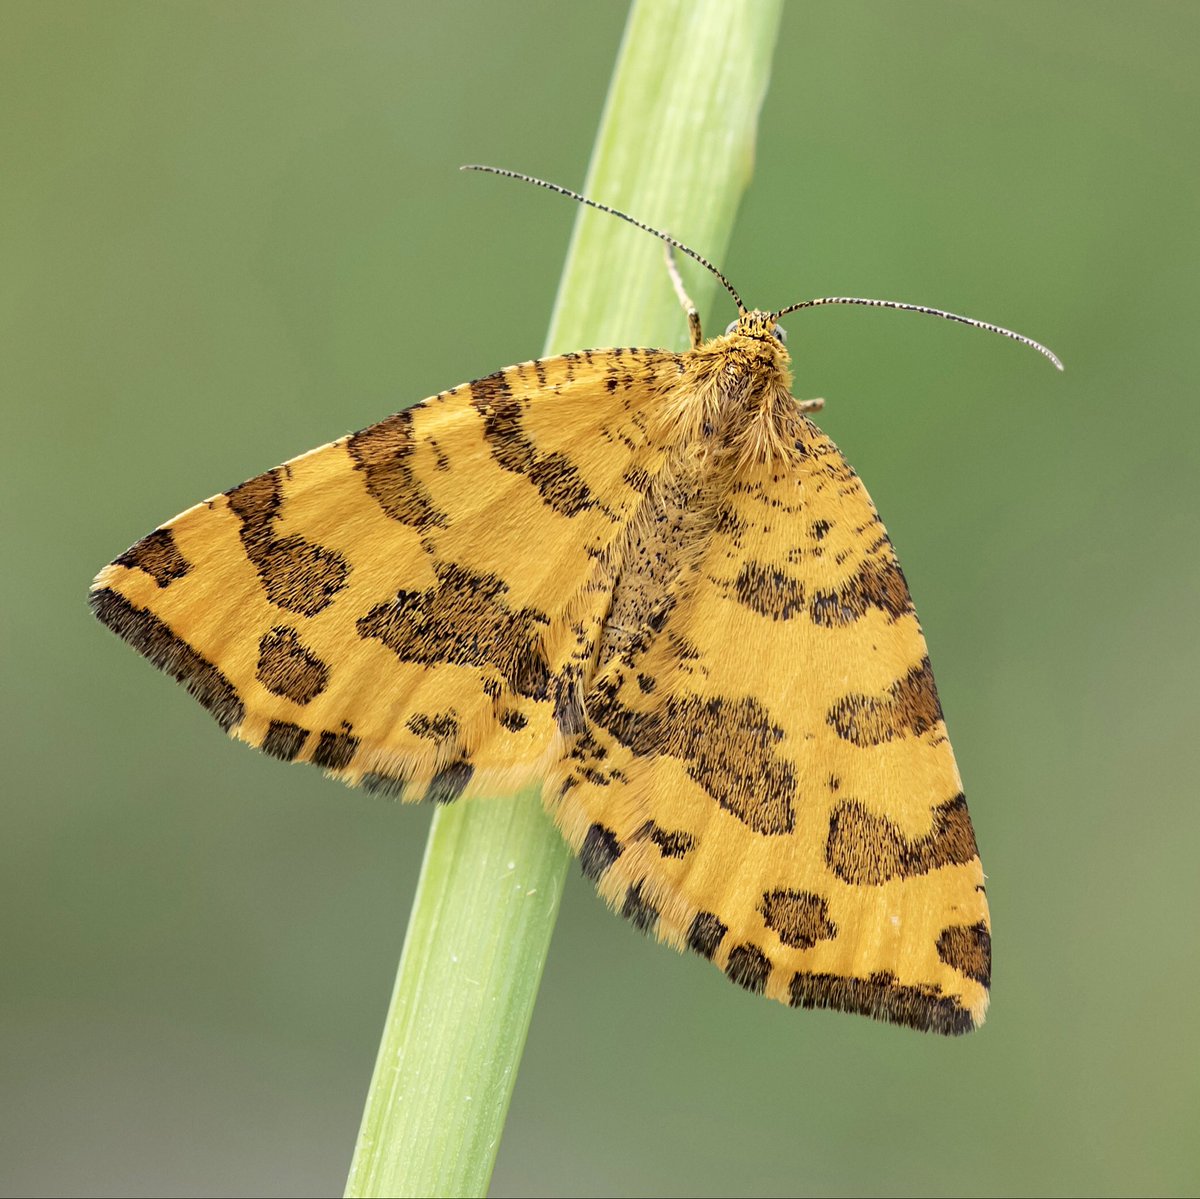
pixel 766 777
pixel 402 606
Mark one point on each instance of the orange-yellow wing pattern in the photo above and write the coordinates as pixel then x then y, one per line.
pixel 765 776
pixel 648 582
pixel 402 606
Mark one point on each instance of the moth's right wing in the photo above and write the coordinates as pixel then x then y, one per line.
pixel 403 606
pixel 765 775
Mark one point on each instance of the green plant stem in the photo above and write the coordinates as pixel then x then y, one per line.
pixel 675 148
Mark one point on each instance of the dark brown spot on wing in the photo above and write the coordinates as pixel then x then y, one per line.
pixel 799 918
pixel 559 482
pixel 867 850
pixel 588 762
pixel 749 967
pixel 171 654
pixel 284 740
pixel 256 502
pixel 883 997
pixel 300 576
pixel 157 555
pixel 335 750
pixel 879 583
pixel 384 453
pixel 968 948
pixel 909 707
pixel 296 574
pixel 728 745
pixel 450 782
pixel 438 726
pixel 638 909
pixel 554 475
pixel 600 849
pixel 706 934
pixel 768 591
pixel 287 668
pixel 671 843
pixel 464 621
pixel 392 785
pixel 501 412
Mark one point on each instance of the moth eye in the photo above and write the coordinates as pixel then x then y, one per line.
pixel 729 328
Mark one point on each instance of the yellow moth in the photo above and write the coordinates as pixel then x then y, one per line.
pixel 647 582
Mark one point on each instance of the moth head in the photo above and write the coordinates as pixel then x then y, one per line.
pixel 760 325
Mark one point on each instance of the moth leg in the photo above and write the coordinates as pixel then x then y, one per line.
pixel 689 307
pixel 814 405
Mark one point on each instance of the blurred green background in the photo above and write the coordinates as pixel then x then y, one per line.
pixel 231 232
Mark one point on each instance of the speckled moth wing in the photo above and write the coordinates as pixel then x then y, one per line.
pixel 399 606
pixel 766 776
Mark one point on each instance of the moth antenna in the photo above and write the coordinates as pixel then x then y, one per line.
pixel 566 191
pixel 949 316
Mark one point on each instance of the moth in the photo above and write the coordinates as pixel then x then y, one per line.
pixel 647 582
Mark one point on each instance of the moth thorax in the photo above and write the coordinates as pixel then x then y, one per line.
pixel 751 373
